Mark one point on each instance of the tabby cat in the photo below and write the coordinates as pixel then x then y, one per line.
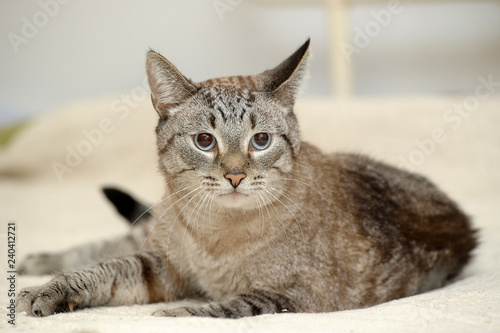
pixel 255 221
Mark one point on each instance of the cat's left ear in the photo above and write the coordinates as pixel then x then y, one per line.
pixel 284 81
pixel 169 88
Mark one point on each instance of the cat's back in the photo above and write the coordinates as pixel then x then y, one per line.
pixel 401 214
pixel 402 209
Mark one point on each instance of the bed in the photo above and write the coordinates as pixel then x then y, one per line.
pixel 52 172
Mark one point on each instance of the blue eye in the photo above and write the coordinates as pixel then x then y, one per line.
pixel 204 141
pixel 261 141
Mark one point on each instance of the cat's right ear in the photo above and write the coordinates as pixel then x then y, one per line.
pixel 169 88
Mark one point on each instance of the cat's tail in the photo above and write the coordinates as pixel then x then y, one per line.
pixel 128 207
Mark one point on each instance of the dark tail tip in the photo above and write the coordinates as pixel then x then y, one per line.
pixel 126 205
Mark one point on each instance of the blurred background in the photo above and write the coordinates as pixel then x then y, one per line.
pixel 57 51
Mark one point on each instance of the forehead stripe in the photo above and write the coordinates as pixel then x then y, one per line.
pixel 212 120
pixel 253 120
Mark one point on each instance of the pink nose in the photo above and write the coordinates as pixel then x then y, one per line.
pixel 235 177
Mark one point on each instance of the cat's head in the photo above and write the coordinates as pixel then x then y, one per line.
pixel 231 138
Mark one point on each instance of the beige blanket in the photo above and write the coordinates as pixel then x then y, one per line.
pixel 51 174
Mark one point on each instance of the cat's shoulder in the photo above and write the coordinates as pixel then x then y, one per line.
pixel 347 161
pixel 356 166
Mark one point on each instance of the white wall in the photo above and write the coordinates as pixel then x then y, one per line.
pixel 91 48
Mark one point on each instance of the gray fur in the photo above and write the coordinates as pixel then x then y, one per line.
pixel 302 232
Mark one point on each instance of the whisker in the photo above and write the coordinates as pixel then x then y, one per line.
pixel 205 197
pixel 283 194
pixel 158 219
pixel 304 183
pixel 197 220
pixel 262 204
pixel 194 208
pixel 147 210
pixel 210 211
pixel 303 165
pixel 204 216
pixel 265 206
pixel 177 216
pixel 280 219
pixel 187 222
pixel 205 205
pixel 298 223
pixel 307 219
pixel 261 217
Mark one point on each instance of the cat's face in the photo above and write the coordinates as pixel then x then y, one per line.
pixel 231 140
pixel 233 144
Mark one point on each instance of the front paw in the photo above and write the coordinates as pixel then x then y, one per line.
pixel 178 312
pixel 48 299
pixel 41 264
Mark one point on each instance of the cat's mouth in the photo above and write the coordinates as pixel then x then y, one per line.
pixel 233 199
pixel 234 195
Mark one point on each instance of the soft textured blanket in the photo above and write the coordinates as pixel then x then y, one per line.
pixel 51 174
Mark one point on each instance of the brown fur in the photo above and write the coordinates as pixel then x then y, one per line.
pixel 301 231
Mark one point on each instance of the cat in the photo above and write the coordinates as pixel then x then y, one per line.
pixel 255 221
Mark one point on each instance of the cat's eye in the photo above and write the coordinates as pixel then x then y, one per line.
pixel 261 141
pixel 204 141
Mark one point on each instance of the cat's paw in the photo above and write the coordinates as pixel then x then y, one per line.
pixel 53 297
pixel 177 312
pixel 40 264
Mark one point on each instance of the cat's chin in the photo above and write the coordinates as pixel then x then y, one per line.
pixel 233 199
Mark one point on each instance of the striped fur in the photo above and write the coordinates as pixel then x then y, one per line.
pixel 88 254
pixel 244 305
pixel 136 213
pixel 299 231
pixel 124 281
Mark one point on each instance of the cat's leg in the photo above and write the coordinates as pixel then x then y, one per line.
pixel 244 305
pixel 140 279
pixel 85 255
pixel 136 213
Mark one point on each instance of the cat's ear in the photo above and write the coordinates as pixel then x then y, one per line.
pixel 284 81
pixel 169 88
